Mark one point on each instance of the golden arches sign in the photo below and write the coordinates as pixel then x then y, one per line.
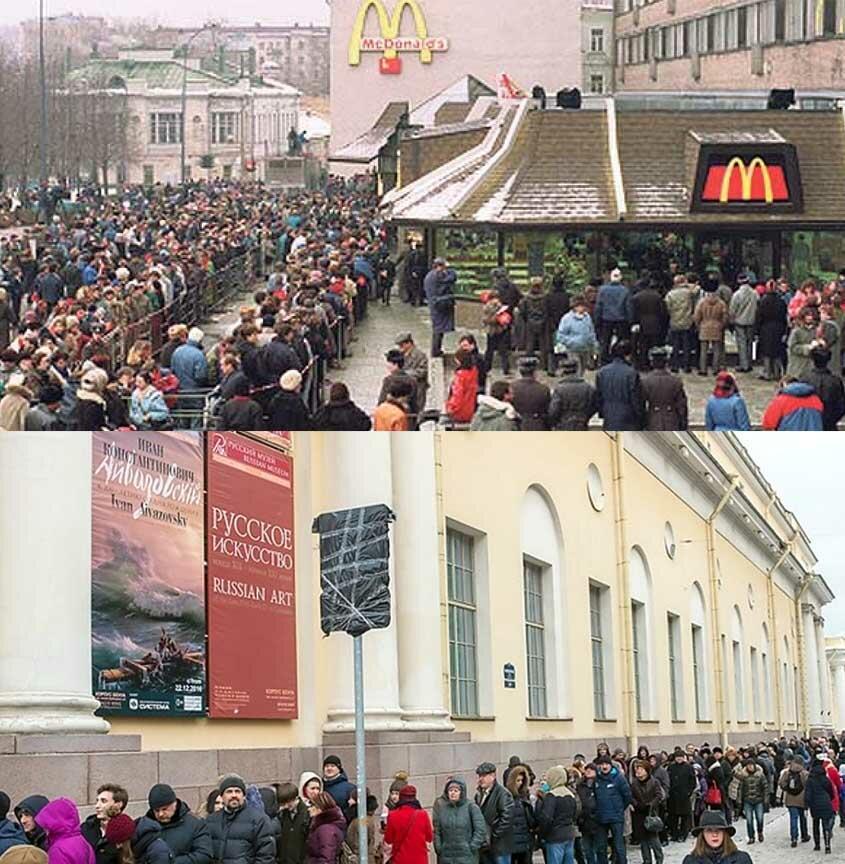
pixel 389 41
pixel 746 173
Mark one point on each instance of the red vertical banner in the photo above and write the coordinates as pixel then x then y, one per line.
pixel 250 582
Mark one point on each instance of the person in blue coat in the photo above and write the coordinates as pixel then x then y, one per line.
pixel 337 784
pixel 439 289
pixel 613 797
pixel 620 395
pixel 190 366
pixel 726 410
pixel 11 834
pixel 613 312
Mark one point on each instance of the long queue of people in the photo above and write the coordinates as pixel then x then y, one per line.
pixel 592 812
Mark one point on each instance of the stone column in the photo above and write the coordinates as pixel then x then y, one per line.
pixel 418 582
pixel 811 664
pixel 45 584
pixel 837 666
pixel 825 709
pixel 357 472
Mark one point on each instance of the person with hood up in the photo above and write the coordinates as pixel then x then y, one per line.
pixel 186 836
pixel 14 406
pixel 556 814
pixel 795 408
pixel 65 843
pixel 496 805
pixel 459 827
pixel 574 400
pixel 337 784
pixel 818 796
pixel 576 335
pixel 293 824
pixel 240 834
pixel 495 413
pixel 792 782
pixel 11 833
pixel 714 843
pixel 648 796
pixel 326 831
pixel 310 785
pixel 613 795
pixel 524 821
pixel 726 410
pixel 409 829
pixel 25 813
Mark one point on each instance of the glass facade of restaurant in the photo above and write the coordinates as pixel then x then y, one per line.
pixel 797 254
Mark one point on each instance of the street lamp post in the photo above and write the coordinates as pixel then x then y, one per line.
pixel 184 129
pixel 43 76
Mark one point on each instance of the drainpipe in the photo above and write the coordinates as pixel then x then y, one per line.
pixel 806 582
pixel 623 576
pixel 713 574
pixel 442 568
pixel 770 591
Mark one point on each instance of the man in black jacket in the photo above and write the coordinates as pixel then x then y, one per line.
pixel 240 834
pixel 111 801
pixel 185 834
pixel 496 805
pixel 829 388
pixel 294 822
pixel 574 400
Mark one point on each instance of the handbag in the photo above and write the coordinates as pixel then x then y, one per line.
pixel 653 824
pixel 713 796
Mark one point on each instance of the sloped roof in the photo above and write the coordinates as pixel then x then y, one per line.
pixel 159 74
pixel 365 148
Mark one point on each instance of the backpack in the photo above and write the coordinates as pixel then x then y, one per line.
pixel 794 783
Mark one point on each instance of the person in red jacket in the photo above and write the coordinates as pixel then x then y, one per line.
pixel 408 829
pixel 463 391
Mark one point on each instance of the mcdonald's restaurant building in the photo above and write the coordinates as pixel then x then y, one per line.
pixel 667 560
pixel 540 191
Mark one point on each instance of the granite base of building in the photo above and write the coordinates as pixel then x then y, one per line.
pixel 75 765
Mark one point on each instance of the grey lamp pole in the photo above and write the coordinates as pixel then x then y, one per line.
pixel 184 130
pixel 43 76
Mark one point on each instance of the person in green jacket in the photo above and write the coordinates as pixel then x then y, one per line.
pixel 753 789
pixel 495 412
pixel 459 826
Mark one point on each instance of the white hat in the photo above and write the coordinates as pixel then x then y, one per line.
pixel 616 275
pixel 123 273
pixel 195 335
pixel 290 380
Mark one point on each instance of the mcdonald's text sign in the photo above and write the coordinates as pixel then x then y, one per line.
pixel 389 42
pixel 744 178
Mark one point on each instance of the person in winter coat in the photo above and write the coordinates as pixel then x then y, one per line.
pixel 771 326
pixel 793 782
pixel 498 321
pixel 557 305
pixel 613 795
pixel 439 289
pixel 752 798
pixel 576 335
pixel 620 395
pixel 818 796
pixel 46 416
pixel 147 408
pixel 189 364
pixel 416 365
pixel 186 836
pixel 409 829
pixel 829 388
pixel 802 340
pixel 680 306
pixel 714 842
pixel 711 318
pixel 392 414
pixel 726 410
pixel 25 813
pixel 574 400
pixel 612 312
pixel 647 796
pixel 495 413
pixel 294 822
pixel 556 815
pixel 24 854
pixel 240 834
pixel 463 391
pixel 682 785
pixel 533 315
pixel 650 320
pixel 15 403
pixel 340 413
pixel 459 827
pixel 288 413
pixel 65 843
pixel 375 849
pixel 523 822
pixel 795 408
pixel 310 785
pixel 665 397
pixel 396 372
pixel 144 842
pixel 240 413
pixel 11 833
pixel 90 413
pixel 531 398
pixel 7 319
pixel 337 784
pixel 496 805
pixel 590 829
pixel 742 313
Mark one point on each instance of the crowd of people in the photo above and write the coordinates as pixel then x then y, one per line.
pixel 592 811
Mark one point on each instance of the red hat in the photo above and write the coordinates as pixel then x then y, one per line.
pixel 119 829
pixel 408 793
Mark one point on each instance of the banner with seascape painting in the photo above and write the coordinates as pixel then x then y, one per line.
pixel 147 574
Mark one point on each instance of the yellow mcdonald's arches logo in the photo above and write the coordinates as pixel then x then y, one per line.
pixel 390 42
pixel 747 174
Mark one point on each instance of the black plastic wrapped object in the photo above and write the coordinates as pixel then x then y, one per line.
pixel 354 569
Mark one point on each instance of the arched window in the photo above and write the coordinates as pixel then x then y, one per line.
pixel 699 630
pixel 737 642
pixel 543 605
pixel 641 637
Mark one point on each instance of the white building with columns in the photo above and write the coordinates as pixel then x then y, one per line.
pixel 637 589
pixel 835 653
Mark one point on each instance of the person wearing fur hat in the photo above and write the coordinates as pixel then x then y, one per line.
pixel 326 831
pixel 65 843
pixel 90 413
pixel 240 834
pixel 409 829
pixel 524 819
pixel 288 412
pixel 45 416
pixel 11 833
pixel 186 836
pixel 574 400
pixel 711 318
pixel 15 403
pixel 25 813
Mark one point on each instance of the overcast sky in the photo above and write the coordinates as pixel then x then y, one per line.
pixel 183 13
pixel 807 470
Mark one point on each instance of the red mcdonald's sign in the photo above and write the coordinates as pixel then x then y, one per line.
pixel 737 181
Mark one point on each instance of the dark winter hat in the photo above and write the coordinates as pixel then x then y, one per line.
pixel 713 819
pixel 660 352
pixel 408 793
pixel 485 768
pixel 50 394
pixel 569 365
pixel 333 760
pixel 602 760
pixel 528 364
pixel 160 796
pixel 119 829
pixel 5 804
pixel 402 338
pixel 33 805
pixel 233 781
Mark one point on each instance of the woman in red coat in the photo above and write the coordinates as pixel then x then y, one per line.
pixel 464 389
pixel 328 828
pixel 408 830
